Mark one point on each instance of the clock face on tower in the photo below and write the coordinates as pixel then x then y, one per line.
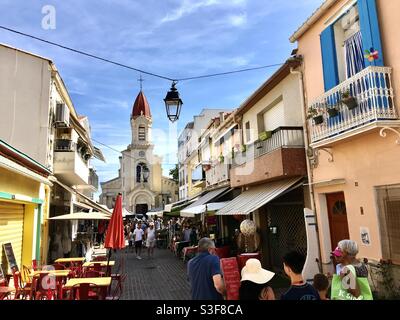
pixel 142 154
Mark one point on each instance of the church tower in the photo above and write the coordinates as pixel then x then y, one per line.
pixel 141 121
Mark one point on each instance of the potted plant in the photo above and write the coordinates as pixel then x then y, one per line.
pixel 314 113
pixel 265 135
pixel 349 100
pixel 243 148
pixel 333 111
pixel 221 158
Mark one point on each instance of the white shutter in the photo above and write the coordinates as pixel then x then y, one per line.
pixel 274 117
pixel 11 229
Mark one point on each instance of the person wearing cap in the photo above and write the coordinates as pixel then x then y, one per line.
pixel 345 253
pixel 254 282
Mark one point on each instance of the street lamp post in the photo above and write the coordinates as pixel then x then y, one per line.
pixel 173 103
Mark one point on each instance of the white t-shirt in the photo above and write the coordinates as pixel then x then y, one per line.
pixel 138 234
pixel 151 234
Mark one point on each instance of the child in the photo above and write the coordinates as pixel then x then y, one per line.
pixel 321 284
pixel 293 264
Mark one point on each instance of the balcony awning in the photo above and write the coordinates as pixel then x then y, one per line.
pixel 212 206
pixel 93 204
pixel 209 196
pixel 83 216
pixel 98 154
pixel 256 197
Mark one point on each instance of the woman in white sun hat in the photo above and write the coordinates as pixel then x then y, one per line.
pixel 254 282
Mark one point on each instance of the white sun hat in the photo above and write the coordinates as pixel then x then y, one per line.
pixel 253 272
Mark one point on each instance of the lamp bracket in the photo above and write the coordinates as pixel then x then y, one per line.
pixel 383 134
pixel 314 155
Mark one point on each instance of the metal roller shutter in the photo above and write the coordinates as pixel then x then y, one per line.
pixel 11 230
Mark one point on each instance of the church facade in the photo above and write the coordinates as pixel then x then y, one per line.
pixel 140 177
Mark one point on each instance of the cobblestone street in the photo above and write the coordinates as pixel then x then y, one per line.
pixel 160 278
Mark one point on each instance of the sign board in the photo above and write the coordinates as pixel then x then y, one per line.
pixel 9 252
pixel 2 276
pixel 230 271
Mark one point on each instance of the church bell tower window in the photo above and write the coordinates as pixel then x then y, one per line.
pixel 142 133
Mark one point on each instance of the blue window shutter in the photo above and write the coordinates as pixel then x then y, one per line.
pixel 329 58
pixel 370 31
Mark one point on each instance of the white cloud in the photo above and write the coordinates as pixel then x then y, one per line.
pixel 188 7
pixel 238 20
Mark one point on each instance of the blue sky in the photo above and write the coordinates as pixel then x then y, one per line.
pixel 176 38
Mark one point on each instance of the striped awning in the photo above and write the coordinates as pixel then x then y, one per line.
pixel 254 198
pixel 209 196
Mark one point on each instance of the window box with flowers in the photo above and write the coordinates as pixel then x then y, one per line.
pixel 315 114
pixel 349 100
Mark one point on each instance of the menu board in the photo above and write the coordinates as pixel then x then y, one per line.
pixel 230 271
pixel 2 275
pixel 9 252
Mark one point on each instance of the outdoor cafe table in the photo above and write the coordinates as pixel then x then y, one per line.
pixel 55 273
pixel 101 263
pixel 70 260
pixel 100 282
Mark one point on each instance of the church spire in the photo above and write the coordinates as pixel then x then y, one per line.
pixel 141 107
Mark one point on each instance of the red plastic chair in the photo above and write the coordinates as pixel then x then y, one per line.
pixel 92 274
pixel 100 258
pixel 59 266
pixel 22 289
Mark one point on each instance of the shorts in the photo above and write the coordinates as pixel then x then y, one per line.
pixel 130 243
pixel 138 244
pixel 150 243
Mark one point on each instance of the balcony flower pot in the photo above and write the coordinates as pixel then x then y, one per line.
pixel 265 135
pixel 243 148
pixel 318 119
pixel 258 144
pixel 349 100
pixel 333 112
pixel 221 159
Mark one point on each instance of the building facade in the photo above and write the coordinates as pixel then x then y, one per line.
pixel 350 69
pixel 140 177
pixel 40 121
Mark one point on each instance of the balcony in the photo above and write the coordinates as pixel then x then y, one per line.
pixel 280 156
pixel 373 107
pixel 68 163
pixel 93 179
pixel 217 174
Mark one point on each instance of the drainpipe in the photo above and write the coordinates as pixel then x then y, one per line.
pixel 309 169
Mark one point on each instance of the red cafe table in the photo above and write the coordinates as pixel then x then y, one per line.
pixel 242 258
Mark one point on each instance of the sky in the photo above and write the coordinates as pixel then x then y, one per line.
pixel 175 38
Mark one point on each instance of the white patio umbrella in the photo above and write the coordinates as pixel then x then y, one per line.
pixel 94 215
pixel 213 206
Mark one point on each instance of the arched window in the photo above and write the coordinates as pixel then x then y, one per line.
pixel 142 172
pixel 142 133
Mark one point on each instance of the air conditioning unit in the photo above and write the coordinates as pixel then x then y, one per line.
pixel 62 115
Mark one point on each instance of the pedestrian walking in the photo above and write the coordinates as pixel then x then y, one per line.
pixel 205 274
pixel 138 236
pixel 293 264
pixel 150 240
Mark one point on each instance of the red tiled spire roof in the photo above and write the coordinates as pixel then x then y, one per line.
pixel 141 106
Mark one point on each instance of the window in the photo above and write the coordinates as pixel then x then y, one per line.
pixel 142 133
pixel 247 131
pixel 142 172
pixel 344 41
pixel 389 217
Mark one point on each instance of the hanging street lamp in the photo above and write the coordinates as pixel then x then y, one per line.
pixel 173 103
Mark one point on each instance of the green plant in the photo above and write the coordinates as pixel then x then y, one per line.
pixel 221 158
pixel 265 135
pixel 312 112
pixel 384 281
pixel 243 148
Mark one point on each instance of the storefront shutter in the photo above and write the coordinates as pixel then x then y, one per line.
pixel 11 230
pixel 329 58
pixel 370 31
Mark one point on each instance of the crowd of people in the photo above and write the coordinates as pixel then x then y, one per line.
pixel 206 277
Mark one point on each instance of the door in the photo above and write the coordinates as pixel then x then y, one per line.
pixel 141 209
pixel 337 215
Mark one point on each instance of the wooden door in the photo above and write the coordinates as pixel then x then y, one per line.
pixel 337 215
pixel 141 209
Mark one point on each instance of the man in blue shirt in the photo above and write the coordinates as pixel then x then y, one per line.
pixel 204 273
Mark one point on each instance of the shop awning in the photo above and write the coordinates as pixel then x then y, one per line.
pixel 83 216
pixel 156 212
pixel 212 206
pixel 209 196
pixel 172 206
pixel 254 198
